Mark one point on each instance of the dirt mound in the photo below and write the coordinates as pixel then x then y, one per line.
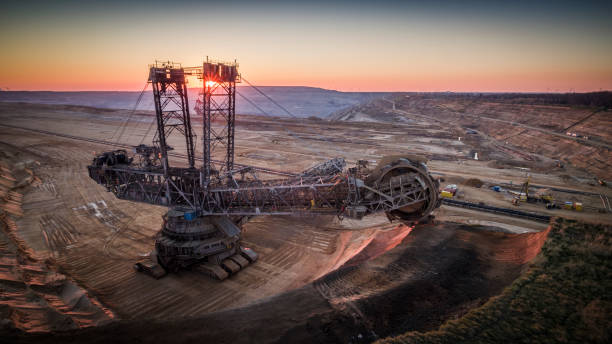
pixel 474 182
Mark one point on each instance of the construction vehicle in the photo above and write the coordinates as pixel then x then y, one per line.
pixel 541 195
pixel 523 194
pixel 569 205
pixel 449 191
pixel 544 196
pixel 208 204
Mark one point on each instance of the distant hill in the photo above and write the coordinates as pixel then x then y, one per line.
pixel 299 100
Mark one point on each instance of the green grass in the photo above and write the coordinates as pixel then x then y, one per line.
pixel 564 297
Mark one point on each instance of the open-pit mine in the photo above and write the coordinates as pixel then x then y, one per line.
pixel 394 215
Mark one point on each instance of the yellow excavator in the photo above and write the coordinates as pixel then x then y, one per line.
pixel 523 194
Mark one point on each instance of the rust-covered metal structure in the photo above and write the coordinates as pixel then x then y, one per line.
pixel 209 203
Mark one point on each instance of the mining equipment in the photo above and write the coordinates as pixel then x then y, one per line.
pixel 544 195
pixel 523 194
pixel 209 203
pixel 449 191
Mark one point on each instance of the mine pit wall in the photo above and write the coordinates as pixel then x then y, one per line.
pixel 354 247
pixel 437 273
pixel 379 244
pixel 517 248
pixel 593 159
pixel 33 296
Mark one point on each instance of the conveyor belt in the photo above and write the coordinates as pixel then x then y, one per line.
pixel 503 211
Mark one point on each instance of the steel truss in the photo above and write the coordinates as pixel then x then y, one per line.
pixel 217 106
pixel 171 108
pixel 241 192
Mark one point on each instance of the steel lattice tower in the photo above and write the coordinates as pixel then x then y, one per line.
pixel 217 105
pixel 171 108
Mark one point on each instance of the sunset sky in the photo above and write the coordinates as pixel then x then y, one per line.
pixel 526 46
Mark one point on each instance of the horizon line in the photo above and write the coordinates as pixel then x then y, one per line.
pixel 333 90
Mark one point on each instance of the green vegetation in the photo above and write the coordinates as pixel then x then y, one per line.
pixel 564 297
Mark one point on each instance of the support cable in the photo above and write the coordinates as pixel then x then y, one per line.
pixel 141 118
pixel 120 127
pixel 270 99
pixel 290 114
pixel 153 122
pixel 123 126
pixel 291 133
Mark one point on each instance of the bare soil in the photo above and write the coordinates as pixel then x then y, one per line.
pixel 317 280
pixel 438 272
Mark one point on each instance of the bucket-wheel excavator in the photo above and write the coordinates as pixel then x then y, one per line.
pixel 209 203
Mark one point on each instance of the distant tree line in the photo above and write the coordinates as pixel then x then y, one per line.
pixel 596 99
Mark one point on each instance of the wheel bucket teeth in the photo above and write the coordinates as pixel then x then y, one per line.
pixel 213 270
pixel 230 265
pixel 240 260
pixel 249 254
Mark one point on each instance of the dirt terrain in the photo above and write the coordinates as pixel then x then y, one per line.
pixel 436 273
pixel 507 131
pixel 505 140
pixel 316 278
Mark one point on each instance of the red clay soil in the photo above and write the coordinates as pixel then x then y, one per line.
pixel 437 272
pixel 380 244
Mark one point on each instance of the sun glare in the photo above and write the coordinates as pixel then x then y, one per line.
pixel 210 83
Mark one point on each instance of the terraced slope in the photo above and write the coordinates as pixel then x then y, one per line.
pixel 33 296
